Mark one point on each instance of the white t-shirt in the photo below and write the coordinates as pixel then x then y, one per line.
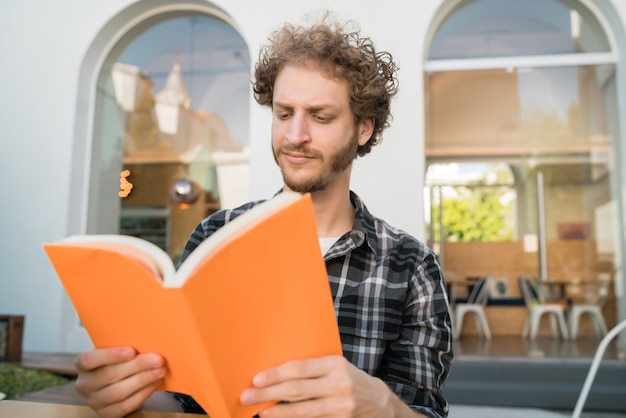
pixel 326 243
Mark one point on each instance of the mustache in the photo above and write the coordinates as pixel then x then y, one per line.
pixel 299 149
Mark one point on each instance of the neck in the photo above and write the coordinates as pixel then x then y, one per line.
pixel 334 213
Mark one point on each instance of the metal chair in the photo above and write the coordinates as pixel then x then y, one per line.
pixel 537 308
pixel 475 305
pixel 593 307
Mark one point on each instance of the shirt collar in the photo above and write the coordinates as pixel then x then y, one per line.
pixel 364 228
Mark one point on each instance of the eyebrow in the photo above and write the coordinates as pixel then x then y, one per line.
pixel 315 108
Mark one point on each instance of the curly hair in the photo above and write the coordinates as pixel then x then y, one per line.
pixel 342 54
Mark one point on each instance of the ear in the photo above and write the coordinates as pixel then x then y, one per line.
pixel 366 127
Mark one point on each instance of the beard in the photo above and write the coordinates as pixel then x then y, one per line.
pixel 331 164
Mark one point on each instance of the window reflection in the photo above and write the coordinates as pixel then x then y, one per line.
pixel 499 28
pixel 181 91
pixel 538 112
pixel 551 123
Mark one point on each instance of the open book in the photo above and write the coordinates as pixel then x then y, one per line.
pixel 253 295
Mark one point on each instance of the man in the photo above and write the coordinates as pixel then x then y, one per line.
pixel 330 93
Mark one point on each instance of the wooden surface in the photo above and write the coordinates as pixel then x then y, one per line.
pixel 65 394
pixel 25 409
pixel 573 260
pixel 572 290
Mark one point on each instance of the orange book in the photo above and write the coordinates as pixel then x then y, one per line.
pixel 253 295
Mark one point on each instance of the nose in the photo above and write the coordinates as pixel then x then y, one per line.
pixel 298 131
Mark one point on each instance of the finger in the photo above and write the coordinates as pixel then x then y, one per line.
pixel 120 391
pixel 96 379
pixel 98 357
pixel 301 380
pixel 289 391
pixel 139 365
pixel 128 404
pixel 298 369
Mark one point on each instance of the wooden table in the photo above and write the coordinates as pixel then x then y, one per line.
pixel 562 284
pixel 25 409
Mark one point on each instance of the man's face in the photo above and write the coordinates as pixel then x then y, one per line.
pixel 314 136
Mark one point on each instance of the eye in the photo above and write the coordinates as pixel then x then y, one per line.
pixel 283 115
pixel 322 118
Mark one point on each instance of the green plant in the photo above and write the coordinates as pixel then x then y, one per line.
pixel 17 381
pixel 476 213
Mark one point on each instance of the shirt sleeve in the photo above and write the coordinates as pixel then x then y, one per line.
pixel 417 364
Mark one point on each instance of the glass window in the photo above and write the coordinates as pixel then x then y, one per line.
pixel 553 121
pixel 536 113
pixel 541 111
pixel 471 201
pixel 502 28
pixel 171 132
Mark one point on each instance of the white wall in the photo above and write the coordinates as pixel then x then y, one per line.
pixel 42 46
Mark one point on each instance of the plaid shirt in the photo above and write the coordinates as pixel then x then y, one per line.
pixel 390 302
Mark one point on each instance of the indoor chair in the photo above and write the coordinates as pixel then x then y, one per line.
pixel 537 307
pixel 592 307
pixel 475 305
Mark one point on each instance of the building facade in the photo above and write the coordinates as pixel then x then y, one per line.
pixel 62 136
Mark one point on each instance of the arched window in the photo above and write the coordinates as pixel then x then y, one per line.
pixel 161 134
pixel 171 130
pixel 531 86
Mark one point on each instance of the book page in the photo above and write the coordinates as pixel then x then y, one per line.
pixel 144 252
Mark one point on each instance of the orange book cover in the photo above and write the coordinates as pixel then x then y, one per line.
pixel 253 295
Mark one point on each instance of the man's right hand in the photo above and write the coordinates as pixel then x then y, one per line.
pixel 116 381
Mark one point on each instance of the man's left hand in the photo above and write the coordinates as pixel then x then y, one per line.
pixel 323 387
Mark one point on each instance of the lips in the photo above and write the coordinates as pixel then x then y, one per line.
pixel 297 158
pixel 298 155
